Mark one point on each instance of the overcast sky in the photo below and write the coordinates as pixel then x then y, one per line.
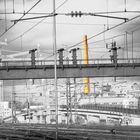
pixel 69 30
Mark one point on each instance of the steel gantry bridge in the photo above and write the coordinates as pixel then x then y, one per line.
pixel 44 69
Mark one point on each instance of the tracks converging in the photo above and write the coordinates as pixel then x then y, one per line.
pixel 43 132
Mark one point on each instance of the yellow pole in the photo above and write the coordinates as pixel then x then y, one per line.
pixel 86 89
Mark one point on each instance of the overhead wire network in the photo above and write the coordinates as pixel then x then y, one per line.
pixel 25 13
pixel 98 34
pixel 37 23
pixel 50 15
pixel 7 29
pixel 71 46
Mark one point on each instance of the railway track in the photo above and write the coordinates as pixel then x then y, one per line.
pixel 42 132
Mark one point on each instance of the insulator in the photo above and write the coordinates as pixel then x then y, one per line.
pixel 72 13
pixel 76 13
pixel 80 13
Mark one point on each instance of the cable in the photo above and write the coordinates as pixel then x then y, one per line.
pixel 19 19
pixel 5 15
pixel 103 32
pixel 13 6
pixel 96 13
pixel 68 23
pixel 132 46
pixel 61 5
pixel 98 33
pixel 106 39
pixel 36 24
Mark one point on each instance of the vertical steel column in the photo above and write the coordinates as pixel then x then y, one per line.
pixel 126 45
pixel 132 47
pixel 75 99
pixel 74 55
pixel 55 67
pixel 114 52
pixel 60 52
pixel 1 83
pixel 67 94
pixel 32 52
pixel 70 103
pixel 13 106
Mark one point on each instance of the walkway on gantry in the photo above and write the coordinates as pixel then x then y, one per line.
pixel 44 69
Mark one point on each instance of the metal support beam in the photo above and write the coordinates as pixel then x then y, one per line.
pixel 32 52
pixel 70 71
pixel 60 53
pixel 74 55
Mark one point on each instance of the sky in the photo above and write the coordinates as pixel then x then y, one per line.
pixel 37 33
pixel 69 30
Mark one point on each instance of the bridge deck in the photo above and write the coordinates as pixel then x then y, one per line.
pixel 45 69
pixel 108 108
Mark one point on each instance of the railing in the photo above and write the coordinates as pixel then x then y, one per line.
pixel 130 110
pixel 68 62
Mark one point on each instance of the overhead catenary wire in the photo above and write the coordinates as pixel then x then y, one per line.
pixel 36 23
pixel 5 15
pixel 96 13
pixel 75 24
pixel 73 14
pixel 20 18
pixel 102 40
pixel 69 47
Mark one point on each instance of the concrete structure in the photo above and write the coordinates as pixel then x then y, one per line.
pixel 126 102
pixel 5 111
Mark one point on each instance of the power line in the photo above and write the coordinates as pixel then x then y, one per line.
pixel 103 32
pixel 106 39
pixel 76 14
pixel 70 23
pixel 19 19
pixel 37 13
pixel 37 23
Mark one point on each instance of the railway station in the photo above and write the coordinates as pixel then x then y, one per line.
pixel 69 70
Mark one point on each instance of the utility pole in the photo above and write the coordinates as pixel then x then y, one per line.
pixel 67 94
pixel 55 68
pixel 13 106
pixel 75 99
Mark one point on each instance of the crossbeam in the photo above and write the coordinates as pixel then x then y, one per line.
pixel 69 71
